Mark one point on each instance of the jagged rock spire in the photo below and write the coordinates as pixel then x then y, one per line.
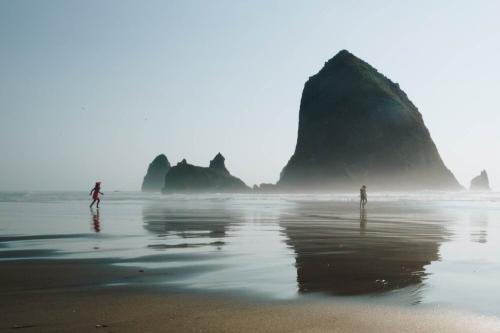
pixel 218 163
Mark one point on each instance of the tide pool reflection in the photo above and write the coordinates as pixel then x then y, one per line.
pixel 222 246
pixel 329 248
pixel 332 256
pixel 188 227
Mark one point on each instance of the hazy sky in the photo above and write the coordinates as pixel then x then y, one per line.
pixel 94 90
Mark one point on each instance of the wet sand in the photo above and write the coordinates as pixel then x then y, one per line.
pixel 72 296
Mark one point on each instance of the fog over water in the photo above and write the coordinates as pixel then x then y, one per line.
pixel 95 90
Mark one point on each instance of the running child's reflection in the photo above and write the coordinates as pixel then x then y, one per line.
pixel 96 222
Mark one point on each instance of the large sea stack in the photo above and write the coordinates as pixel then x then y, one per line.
pixel 358 127
pixel 155 176
pixel 216 178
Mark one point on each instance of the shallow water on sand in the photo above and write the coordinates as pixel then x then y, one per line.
pixel 414 250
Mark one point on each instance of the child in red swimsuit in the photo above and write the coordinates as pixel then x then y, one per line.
pixel 95 194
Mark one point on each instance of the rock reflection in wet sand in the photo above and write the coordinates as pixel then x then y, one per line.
pixel 346 255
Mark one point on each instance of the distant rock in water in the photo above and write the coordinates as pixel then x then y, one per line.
pixel 266 188
pixel 358 127
pixel 155 176
pixel 215 178
pixel 480 183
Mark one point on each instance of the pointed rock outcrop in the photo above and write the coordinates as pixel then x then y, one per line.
pixel 216 178
pixel 480 183
pixel 155 176
pixel 218 164
pixel 358 127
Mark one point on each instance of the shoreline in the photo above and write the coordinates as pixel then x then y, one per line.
pixel 70 295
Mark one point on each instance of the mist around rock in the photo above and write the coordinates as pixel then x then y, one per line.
pixel 480 182
pixel 356 127
pixel 155 176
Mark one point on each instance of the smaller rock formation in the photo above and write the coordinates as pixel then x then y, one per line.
pixel 266 188
pixel 155 176
pixel 216 178
pixel 480 183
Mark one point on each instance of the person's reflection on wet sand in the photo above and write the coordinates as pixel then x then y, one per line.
pixel 96 222
pixel 362 221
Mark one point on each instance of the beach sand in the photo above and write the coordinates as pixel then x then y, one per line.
pixel 72 296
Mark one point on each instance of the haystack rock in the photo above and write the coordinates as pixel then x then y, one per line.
pixel 215 178
pixel 155 176
pixel 480 183
pixel 358 127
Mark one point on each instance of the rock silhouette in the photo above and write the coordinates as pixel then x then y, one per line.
pixel 155 176
pixel 358 127
pixel 218 163
pixel 215 178
pixel 480 183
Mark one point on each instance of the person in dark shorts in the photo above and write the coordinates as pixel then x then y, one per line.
pixel 363 196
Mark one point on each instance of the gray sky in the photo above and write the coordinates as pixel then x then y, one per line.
pixel 94 90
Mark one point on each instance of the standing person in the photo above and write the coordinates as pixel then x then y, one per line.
pixel 95 194
pixel 363 196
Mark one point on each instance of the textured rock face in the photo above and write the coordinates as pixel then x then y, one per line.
pixel 215 178
pixel 358 127
pixel 480 183
pixel 155 176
